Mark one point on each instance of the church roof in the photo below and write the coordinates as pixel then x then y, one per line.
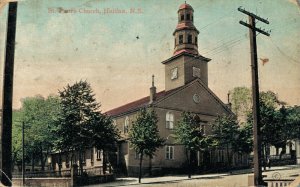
pixel 187 53
pixel 137 104
pixel 144 102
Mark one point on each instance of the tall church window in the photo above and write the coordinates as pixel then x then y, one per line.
pixel 169 152
pixel 196 40
pixel 180 39
pixel 181 17
pixel 188 17
pixel 169 120
pixel 126 125
pixel 192 18
pixel 189 38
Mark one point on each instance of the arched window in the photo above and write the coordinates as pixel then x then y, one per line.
pixel 126 125
pixel 188 17
pixel 169 120
pixel 181 17
pixel 196 40
pixel 180 39
pixel 189 39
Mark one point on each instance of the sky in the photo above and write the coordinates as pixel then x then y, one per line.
pixel 59 42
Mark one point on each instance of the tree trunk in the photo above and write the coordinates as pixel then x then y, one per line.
pixel 104 162
pixel 188 157
pixel 228 157
pixel 42 160
pixel 59 164
pixel 32 162
pixel 266 157
pixel 80 162
pixel 150 166
pixel 141 161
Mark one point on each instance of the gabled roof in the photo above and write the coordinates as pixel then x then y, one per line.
pixel 160 96
pixel 137 104
pixel 217 99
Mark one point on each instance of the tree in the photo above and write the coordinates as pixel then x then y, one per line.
pixel 225 131
pixel 188 133
pixel 81 124
pixel 104 134
pixel 245 139
pixel 144 135
pixel 274 129
pixel 79 111
pixel 38 114
pixel 240 98
pixel 293 121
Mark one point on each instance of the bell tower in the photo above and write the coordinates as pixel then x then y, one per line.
pixel 186 34
pixel 186 64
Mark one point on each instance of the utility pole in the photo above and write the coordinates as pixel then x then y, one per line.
pixel 6 131
pixel 257 159
pixel 23 154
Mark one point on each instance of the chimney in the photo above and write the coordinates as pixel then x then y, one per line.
pixel 228 100
pixel 152 91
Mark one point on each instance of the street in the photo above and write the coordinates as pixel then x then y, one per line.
pixel 238 178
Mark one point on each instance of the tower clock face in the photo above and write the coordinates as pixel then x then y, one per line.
pixel 174 73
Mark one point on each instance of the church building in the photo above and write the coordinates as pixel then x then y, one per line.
pixel 186 90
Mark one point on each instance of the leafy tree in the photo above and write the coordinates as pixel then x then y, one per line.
pixel 245 139
pixel 144 135
pixel 225 130
pixel 39 115
pixel 81 124
pixel 17 140
pixel 275 128
pixel 79 111
pixel 293 121
pixel 240 98
pixel 104 135
pixel 188 133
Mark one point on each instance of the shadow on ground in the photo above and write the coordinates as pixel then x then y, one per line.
pixel 129 181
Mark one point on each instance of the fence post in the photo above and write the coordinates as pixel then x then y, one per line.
pixel 74 173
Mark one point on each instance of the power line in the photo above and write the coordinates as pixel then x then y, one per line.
pixel 283 53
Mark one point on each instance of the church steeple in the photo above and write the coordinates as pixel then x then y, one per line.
pixel 186 34
pixel 186 64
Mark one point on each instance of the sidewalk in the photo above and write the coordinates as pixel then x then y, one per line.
pixel 293 169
